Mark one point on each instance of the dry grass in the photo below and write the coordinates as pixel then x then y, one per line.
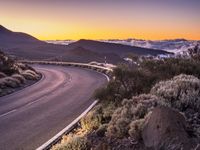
pixel 131 110
pixel 72 142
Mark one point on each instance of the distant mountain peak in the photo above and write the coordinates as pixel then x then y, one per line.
pixel 3 29
pixel 83 40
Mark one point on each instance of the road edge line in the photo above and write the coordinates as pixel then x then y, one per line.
pixel 47 145
pixel 67 129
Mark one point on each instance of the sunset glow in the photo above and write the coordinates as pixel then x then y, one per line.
pixel 95 19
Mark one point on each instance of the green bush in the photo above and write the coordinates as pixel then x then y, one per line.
pixel 107 110
pixel 168 68
pixel 135 130
pixel 2 75
pixel 73 143
pixel 30 75
pixel 133 81
pixel 131 110
pixel 19 77
pixel 181 92
pixel 92 120
pixel 110 93
pixel 127 82
pixel 101 130
pixel 10 82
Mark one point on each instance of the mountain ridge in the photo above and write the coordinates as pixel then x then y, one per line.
pixel 25 46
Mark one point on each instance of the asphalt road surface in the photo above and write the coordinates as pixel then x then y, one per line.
pixel 30 117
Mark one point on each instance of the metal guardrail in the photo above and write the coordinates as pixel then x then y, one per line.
pixel 85 65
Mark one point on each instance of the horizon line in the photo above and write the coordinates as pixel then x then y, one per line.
pixel 99 39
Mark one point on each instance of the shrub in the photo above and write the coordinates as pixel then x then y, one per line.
pixel 134 81
pixel 19 77
pixel 195 52
pixel 181 92
pixel 135 130
pixel 98 117
pixel 72 143
pixel 2 83
pixel 101 130
pixel 108 110
pixel 127 82
pixel 2 75
pixel 9 82
pixel 31 72
pixel 131 110
pixel 110 93
pixel 30 75
pixel 93 119
pixel 168 68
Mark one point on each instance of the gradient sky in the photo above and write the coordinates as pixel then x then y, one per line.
pixel 103 19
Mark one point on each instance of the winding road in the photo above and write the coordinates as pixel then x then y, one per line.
pixel 31 116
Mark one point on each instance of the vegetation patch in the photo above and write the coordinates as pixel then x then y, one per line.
pixel 14 75
pixel 136 89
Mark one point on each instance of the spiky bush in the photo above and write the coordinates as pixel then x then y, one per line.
pixel 31 72
pixel 101 130
pixel 2 83
pixel 168 68
pixel 110 93
pixel 19 77
pixel 181 92
pixel 9 82
pixel 135 130
pixel 131 110
pixel 108 110
pixel 30 75
pixel 92 120
pixel 72 142
pixel 2 75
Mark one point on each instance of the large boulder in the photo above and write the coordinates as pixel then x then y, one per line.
pixel 166 129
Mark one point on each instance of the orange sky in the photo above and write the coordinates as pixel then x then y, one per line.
pixel 111 19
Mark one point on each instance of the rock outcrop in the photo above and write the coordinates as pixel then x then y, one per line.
pixel 167 129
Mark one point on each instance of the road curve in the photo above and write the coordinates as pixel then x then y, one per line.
pixel 30 117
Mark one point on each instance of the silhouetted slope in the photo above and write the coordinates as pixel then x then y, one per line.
pixel 121 50
pixel 80 54
pixel 11 39
pixel 26 46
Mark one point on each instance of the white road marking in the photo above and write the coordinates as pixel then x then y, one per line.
pixel 5 114
pixel 62 132
pixel 31 103
pixel 49 143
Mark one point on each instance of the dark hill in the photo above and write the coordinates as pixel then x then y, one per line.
pixel 119 49
pixel 80 54
pixel 26 46
pixel 10 39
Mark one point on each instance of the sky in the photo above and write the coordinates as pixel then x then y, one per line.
pixel 103 19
